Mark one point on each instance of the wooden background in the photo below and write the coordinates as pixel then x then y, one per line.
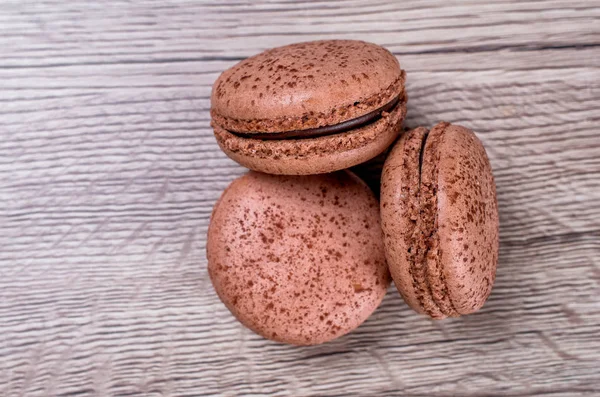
pixel 109 170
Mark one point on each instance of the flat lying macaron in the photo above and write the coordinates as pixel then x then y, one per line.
pixel 298 259
pixel 309 108
pixel 440 220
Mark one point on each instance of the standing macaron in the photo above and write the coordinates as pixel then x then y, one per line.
pixel 298 259
pixel 440 220
pixel 309 108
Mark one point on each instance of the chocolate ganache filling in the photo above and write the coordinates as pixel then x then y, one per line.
pixel 325 130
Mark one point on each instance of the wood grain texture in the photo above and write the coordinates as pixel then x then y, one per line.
pixel 109 170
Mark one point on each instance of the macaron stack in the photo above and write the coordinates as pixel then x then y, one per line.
pixel 299 249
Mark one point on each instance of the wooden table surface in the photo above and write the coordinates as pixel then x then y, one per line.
pixel 109 170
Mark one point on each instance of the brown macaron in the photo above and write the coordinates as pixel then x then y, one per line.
pixel 298 259
pixel 440 220
pixel 309 108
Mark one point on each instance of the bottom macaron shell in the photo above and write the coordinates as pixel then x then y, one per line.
pixel 314 155
pixel 298 259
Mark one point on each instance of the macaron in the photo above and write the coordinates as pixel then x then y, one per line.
pixel 298 259
pixel 309 108
pixel 440 220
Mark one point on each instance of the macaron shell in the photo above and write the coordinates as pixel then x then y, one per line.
pixel 305 85
pixel 298 259
pixel 467 219
pixel 399 197
pixel 314 155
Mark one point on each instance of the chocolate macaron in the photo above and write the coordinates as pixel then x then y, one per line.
pixel 298 259
pixel 309 108
pixel 440 220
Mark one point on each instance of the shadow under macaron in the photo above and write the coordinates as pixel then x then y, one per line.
pixel 370 171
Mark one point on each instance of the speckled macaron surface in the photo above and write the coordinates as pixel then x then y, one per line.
pixel 270 111
pixel 440 220
pixel 298 259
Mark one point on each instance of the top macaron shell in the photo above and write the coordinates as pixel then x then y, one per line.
pixel 467 219
pixel 305 85
pixel 457 198
pixel 298 259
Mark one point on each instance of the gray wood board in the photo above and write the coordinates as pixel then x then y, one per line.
pixel 109 171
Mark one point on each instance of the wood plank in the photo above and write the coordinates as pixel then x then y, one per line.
pixel 136 325
pixel 80 32
pixel 119 136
